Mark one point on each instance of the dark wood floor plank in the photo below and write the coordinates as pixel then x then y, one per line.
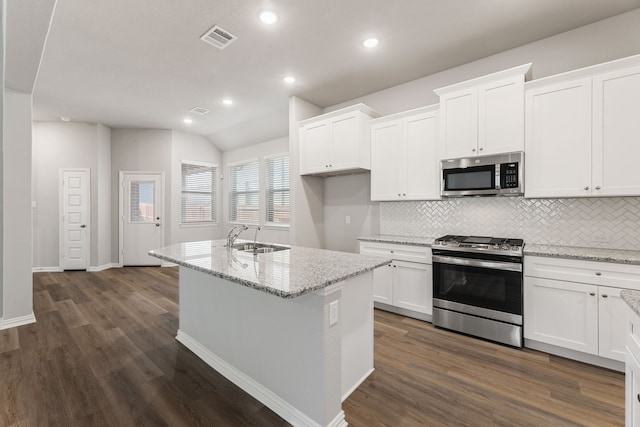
pixel 103 353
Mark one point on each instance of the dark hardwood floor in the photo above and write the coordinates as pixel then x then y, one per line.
pixel 103 353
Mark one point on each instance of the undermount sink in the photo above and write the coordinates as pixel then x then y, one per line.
pixel 260 248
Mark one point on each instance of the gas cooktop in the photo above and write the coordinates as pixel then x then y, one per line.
pixel 499 245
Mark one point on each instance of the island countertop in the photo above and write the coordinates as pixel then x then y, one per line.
pixel 287 273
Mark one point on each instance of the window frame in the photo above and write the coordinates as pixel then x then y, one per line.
pixel 265 191
pixel 214 193
pixel 231 193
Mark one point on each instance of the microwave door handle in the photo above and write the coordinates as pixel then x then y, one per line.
pixel 495 265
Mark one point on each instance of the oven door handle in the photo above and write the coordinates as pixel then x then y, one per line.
pixel 495 265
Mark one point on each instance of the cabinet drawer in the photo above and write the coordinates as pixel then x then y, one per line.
pixel 421 254
pixel 591 272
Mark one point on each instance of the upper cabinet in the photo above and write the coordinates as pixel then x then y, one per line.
pixel 404 160
pixel 336 142
pixel 582 132
pixel 483 116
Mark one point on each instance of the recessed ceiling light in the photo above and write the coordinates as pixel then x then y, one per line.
pixel 187 120
pixel 65 119
pixel 268 16
pixel 289 79
pixel 227 101
pixel 372 42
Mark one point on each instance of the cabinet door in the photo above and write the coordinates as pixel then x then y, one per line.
pixel 561 313
pixel 558 140
pixel 616 133
pixel 421 164
pixel 612 324
pixel 501 116
pixel 459 124
pixel 386 165
pixel 632 390
pixel 314 148
pixel 344 142
pixel 383 284
pixel 411 286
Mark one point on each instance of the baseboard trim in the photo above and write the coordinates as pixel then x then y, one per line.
pixel 55 269
pixel 104 267
pixel 575 355
pixel 168 264
pixel 17 321
pixel 357 384
pixel 271 400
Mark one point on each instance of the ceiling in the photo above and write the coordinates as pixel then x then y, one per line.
pixel 142 64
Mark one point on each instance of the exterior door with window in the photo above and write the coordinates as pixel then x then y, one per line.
pixel 74 221
pixel 140 217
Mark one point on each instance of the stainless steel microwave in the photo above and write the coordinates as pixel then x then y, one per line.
pixel 498 175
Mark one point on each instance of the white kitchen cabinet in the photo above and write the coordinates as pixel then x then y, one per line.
pixel 560 313
pixel 404 160
pixel 405 285
pixel 576 305
pixel 336 142
pixel 632 369
pixel 581 129
pixel 483 116
pixel 632 390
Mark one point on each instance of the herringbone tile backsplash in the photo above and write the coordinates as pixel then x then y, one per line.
pixel 598 222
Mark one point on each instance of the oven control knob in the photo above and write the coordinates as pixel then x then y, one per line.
pixel 505 247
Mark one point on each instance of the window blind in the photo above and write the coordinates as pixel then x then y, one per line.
pixel 198 192
pixel 244 192
pixel 278 201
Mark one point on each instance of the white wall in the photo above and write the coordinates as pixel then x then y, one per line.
pixel 16 194
pixel 602 41
pixel 59 145
pixel 272 234
pixel 144 150
pixel 307 193
pixel 190 147
pixel 3 14
pixel 103 196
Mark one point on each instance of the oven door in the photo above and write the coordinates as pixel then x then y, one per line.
pixel 482 287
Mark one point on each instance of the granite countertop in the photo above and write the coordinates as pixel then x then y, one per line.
pixel 632 298
pixel 588 254
pixel 287 274
pixel 400 240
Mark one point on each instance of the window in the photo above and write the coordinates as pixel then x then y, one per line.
pixel 278 211
pixel 244 192
pixel 198 192
pixel 141 203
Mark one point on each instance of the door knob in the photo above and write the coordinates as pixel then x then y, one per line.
pixel 83 226
pixel 157 225
pixel 593 294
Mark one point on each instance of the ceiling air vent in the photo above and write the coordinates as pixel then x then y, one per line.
pixel 218 37
pixel 199 110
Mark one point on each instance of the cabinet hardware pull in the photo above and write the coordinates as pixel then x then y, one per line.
pixel 481 148
pixel 598 273
pixel 598 187
pixel 605 295
pixel 638 397
pixel 398 194
pixel 586 188
pixel 473 149
pixel 391 251
pixel 404 194
pixel 592 294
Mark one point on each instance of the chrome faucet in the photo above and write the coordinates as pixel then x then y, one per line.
pixel 255 239
pixel 231 237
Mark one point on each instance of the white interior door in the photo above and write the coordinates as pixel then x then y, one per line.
pixel 140 217
pixel 74 221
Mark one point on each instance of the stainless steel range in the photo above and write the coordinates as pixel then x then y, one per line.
pixel 478 287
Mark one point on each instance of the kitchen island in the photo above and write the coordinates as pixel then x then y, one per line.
pixel 293 328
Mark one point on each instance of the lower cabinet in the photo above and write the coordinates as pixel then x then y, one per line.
pixel 405 285
pixel 632 370
pixel 576 305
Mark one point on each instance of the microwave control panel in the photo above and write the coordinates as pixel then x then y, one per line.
pixel 509 175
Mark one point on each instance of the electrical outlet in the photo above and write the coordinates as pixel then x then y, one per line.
pixel 601 236
pixel 333 312
pixel 347 219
